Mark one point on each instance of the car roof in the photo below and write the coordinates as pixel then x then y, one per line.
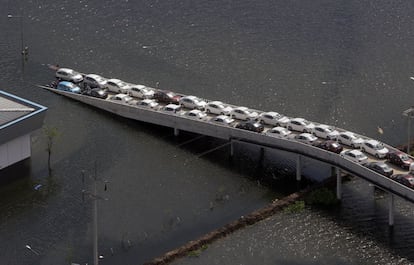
pixel 190 97
pixel 271 113
pixel 298 119
pixel 115 80
pixel 279 128
pixel 139 86
pixel 66 70
pixel 355 152
pixel 215 102
pixel 241 108
pixel 66 83
pixel 347 133
pixel 94 75
pixel 307 134
pixel 372 141
pixel 174 106
pixel 323 126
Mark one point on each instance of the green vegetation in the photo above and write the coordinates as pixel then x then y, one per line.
pixel 197 252
pixel 295 207
pixel 51 134
pixel 322 197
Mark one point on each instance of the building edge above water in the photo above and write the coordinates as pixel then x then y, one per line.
pixel 19 117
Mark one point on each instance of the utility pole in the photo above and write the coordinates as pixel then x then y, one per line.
pixel 409 113
pixel 95 197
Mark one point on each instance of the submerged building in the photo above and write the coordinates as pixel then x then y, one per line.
pixel 18 119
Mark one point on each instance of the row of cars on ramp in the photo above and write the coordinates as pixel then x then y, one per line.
pixel 359 149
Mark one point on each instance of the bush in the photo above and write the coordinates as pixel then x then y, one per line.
pixel 322 197
pixel 295 207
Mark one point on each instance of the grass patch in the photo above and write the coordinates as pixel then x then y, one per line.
pixel 295 207
pixel 197 252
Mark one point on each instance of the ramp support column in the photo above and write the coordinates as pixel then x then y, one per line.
pixel 391 210
pixel 231 148
pixel 176 131
pixel 298 167
pixel 338 184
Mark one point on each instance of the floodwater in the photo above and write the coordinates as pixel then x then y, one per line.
pixel 345 63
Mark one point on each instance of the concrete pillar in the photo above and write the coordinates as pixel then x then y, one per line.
pixel 261 155
pixel 231 148
pixel 338 184
pixel 391 210
pixel 298 167
pixel 176 131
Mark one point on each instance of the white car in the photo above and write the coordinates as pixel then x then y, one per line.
pixel 192 102
pixel 117 86
pixel 94 80
pixel 243 113
pixel 222 119
pixel 217 107
pixel 273 118
pixel 350 139
pixel 279 132
pixel 141 91
pixel 174 108
pixel 300 125
pixel 325 132
pixel 306 138
pixel 122 98
pixel 196 114
pixel 374 148
pixel 148 103
pixel 355 156
pixel 67 74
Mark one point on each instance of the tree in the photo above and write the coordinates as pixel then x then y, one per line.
pixel 51 133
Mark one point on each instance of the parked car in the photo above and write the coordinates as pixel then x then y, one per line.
pixel 399 159
pixel 124 98
pixel 68 87
pixel 404 179
pixel 355 156
pixel 306 138
pixel 167 97
pixel 141 91
pixel 148 103
pixel 217 107
pixel 173 108
pixel 300 125
pixel 70 75
pixel 253 126
pixel 96 92
pixel 331 145
pixel 117 86
pixel 374 148
pixel 94 80
pixel 279 132
pixel 192 102
pixel 273 118
pixel 381 168
pixel 243 113
pixel 350 139
pixel 325 131
pixel 222 119
pixel 196 114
